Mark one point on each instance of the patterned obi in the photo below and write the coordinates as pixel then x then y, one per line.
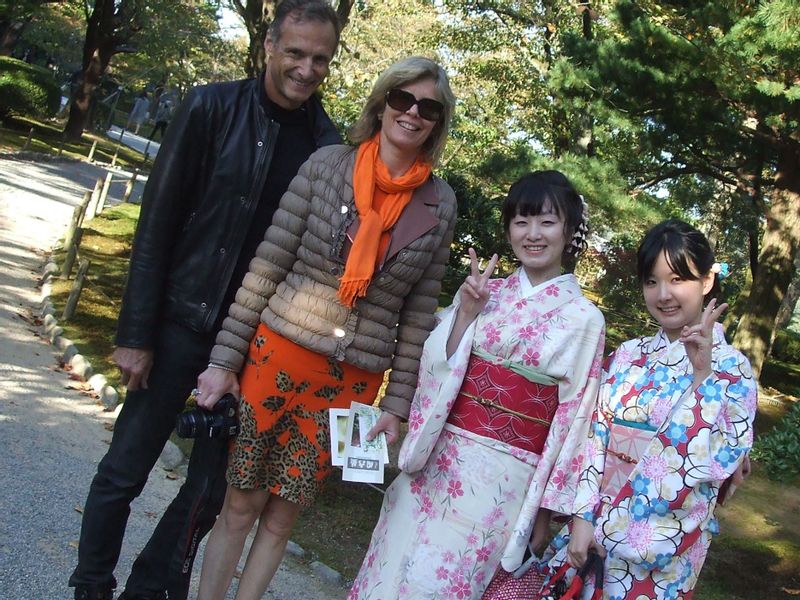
pixel 499 402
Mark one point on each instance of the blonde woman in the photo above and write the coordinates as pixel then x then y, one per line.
pixel 343 287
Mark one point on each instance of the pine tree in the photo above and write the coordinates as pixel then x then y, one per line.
pixel 716 88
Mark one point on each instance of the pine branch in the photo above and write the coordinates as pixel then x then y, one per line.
pixel 685 170
pixel 504 11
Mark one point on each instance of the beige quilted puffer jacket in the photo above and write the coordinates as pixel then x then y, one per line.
pixel 293 279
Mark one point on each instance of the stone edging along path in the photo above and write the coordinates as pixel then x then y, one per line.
pixel 172 457
pixel 79 365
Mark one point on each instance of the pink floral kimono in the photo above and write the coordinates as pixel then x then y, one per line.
pixel 658 527
pixel 467 499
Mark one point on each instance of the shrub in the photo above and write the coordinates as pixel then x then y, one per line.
pixel 611 273
pixel 27 89
pixel 615 275
pixel 779 449
pixel 786 347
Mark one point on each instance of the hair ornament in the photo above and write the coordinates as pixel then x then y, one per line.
pixel 579 239
pixel 722 270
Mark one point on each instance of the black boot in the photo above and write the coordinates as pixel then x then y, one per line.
pixel 88 592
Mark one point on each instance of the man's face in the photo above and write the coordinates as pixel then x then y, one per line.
pixel 298 62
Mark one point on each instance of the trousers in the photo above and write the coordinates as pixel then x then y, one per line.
pixel 142 429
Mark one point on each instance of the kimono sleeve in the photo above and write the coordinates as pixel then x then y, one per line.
pixel 672 492
pixel 577 404
pixel 439 382
pixel 587 497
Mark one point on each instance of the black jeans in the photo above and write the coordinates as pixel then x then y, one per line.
pixel 144 424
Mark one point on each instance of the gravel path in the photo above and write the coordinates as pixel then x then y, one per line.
pixel 52 435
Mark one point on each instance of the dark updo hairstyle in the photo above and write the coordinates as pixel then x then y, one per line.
pixel 684 247
pixel 542 191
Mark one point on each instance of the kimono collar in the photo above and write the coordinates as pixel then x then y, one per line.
pixel 566 283
pixel 661 350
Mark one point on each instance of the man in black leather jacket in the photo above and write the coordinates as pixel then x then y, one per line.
pixel 228 156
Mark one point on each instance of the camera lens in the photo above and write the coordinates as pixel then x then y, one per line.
pixel 221 421
pixel 186 424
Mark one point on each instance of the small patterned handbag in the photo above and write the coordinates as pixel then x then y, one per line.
pixel 522 584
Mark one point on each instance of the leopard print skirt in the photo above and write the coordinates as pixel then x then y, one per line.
pixel 284 441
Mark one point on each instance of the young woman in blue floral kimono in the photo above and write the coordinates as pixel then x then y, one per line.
pixel 678 408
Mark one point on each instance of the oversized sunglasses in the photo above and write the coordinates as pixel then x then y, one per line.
pixel 427 108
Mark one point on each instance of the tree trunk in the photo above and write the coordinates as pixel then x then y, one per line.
pixel 98 48
pixel 786 311
pixel 752 251
pixel 81 101
pixel 256 56
pixel 10 32
pixel 254 15
pixel 343 10
pixel 584 123
pixel 775 263
pixel 13 21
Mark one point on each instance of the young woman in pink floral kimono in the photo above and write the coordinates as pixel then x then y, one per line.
pixel 507 388
pixel 689 398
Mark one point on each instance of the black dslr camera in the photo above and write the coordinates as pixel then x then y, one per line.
pixel 219 422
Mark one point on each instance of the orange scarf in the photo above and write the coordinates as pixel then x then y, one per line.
pixel 370 172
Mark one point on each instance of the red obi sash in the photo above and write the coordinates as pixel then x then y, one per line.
pixel 498 403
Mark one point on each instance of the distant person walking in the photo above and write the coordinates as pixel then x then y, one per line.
pixel 138 113
pixel 163 115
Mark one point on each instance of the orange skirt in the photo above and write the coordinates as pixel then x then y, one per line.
pixel 284 441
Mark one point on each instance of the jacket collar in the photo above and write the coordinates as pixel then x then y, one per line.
pixel 416 220
pixel 322 128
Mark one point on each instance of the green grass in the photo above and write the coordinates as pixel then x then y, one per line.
pixel 782 376
pixel 756 556
pixel 337 529
pixel 106 244
pixel 47 139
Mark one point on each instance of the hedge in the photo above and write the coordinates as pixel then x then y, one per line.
pixel 787 347
pixel 27 89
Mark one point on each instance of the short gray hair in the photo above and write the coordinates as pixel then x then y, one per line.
pixel 303 10
pixel 403 72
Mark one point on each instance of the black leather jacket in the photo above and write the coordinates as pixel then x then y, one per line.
pixel 200 196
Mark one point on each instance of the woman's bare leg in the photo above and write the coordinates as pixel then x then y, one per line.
pixel 224 547
pixel 274 528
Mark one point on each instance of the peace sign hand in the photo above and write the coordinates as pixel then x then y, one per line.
pixel 698 340
pixel 475 291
